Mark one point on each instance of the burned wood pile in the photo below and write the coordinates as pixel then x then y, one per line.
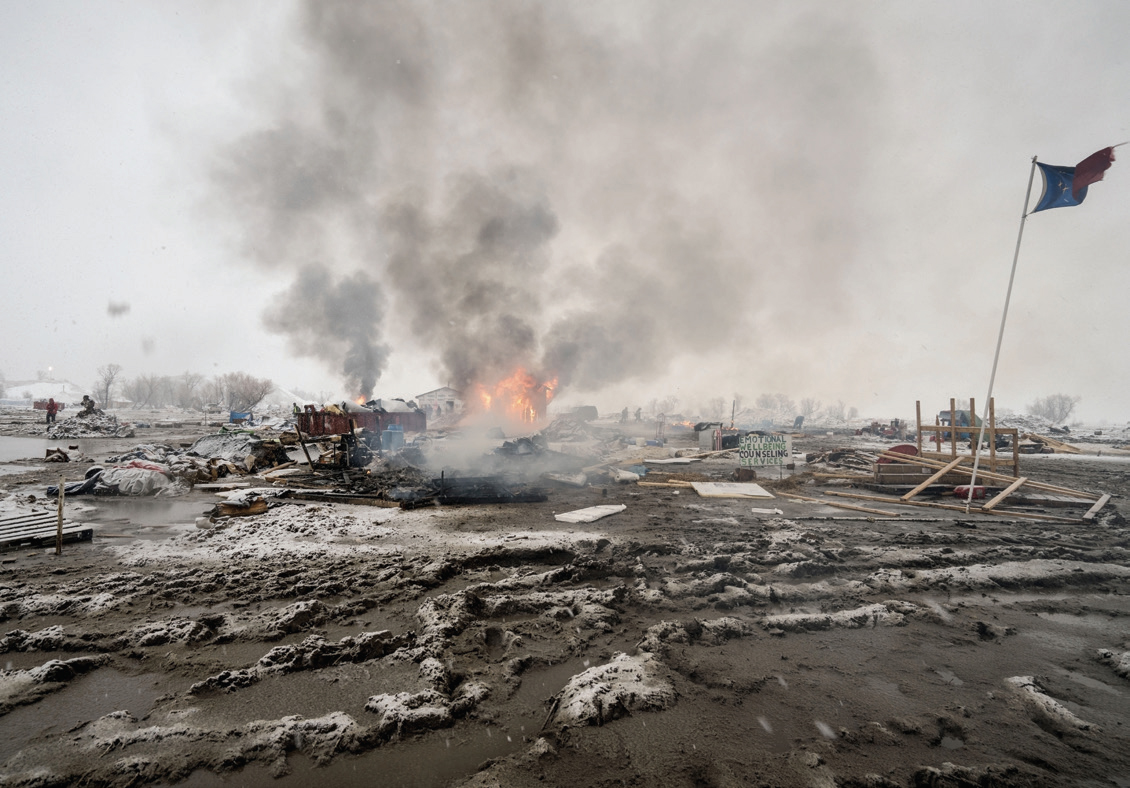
pixel 474 490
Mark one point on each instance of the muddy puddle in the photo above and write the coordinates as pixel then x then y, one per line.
pixel 24 448
pixel 7 470
pixel 156 513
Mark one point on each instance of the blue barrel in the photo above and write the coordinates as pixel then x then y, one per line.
pixel 392 438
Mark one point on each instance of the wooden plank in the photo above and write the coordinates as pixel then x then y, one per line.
pixel 839 505
pixel 42 536
pixel 1094 510
pixel 1022 515
pixel 988 506
pixel 939 474
pixel 18 533
pixel 1057 445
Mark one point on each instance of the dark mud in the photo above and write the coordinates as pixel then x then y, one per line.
pixel 684 642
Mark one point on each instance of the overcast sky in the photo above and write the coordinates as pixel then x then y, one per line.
pixel 648 199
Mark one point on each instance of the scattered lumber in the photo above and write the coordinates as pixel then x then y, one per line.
pixel 988 506
pixel 838 505
pixel 949 466
pixel 982 474
pixel 951 507
pixel 842 458
pixel 39 529
pixel 1094 510
pixel 1057 446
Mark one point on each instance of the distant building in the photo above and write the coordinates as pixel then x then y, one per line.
pixel 447 399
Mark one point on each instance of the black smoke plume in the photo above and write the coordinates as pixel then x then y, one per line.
pixel 586 191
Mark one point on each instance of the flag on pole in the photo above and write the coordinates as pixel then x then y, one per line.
pixel 1067 186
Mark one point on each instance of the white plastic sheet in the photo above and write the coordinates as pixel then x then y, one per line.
pixel 591 514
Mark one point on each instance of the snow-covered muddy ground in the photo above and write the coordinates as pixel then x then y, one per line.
pixel 682 642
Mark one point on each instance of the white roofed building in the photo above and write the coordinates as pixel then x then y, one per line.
pixel 447 399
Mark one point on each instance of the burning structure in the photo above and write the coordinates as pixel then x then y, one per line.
pixel 520 397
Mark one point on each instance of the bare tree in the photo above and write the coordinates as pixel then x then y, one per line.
pixel 242 392
pixel 104 387
pixel 187 390
pixel 766 402
pixel 715 408
pixel 144 390
pixel 835 411
pixel 667 405
pixel 132 390
pixel 1056 408
pixel 786 406
pixel 809 407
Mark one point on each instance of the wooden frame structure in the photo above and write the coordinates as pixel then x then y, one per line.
pixel 990 461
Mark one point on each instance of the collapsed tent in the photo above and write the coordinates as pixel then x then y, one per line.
pixel 137 478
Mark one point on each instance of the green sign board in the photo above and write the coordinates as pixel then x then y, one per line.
pixel 758 451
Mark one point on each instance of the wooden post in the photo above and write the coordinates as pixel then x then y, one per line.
pixel 973 424
pixel 918 423
pixel 302 443
pixel 59 531
pixel 953 426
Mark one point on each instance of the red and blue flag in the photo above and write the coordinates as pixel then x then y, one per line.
pixel 1067 186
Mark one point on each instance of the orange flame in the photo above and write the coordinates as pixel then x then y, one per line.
pixel 360 400
pixel 521 396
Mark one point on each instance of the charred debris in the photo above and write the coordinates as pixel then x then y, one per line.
pixel 383 453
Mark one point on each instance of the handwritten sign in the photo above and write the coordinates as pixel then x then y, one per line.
pixel 758 451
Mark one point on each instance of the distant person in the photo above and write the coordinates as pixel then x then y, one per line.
pixel 639 414
pixel 87 405
pixel 624 416
pixel 294 408
pixel 52 409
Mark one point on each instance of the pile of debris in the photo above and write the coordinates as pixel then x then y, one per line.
pixel 136 478
pixel 842 458
pixel 996 493
pixel 96 425
pixel 472 490
pixel 567 429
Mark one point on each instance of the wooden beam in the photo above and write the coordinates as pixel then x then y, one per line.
pixel 940 473
pixel 918 418
pixel 1022 515
pixel 988 506
pixel 838 505
pixel 1094 510
pixel 1057 445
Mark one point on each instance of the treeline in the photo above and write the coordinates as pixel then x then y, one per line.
pixel 236 391
pixel 779 408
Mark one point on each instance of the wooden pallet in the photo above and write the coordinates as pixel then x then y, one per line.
pixel 39 529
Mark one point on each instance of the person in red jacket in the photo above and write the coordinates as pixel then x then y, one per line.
pixel 52 409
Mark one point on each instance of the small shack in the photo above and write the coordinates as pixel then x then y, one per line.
pixel 319 423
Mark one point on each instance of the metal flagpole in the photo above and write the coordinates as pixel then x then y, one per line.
pixel 1000 338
